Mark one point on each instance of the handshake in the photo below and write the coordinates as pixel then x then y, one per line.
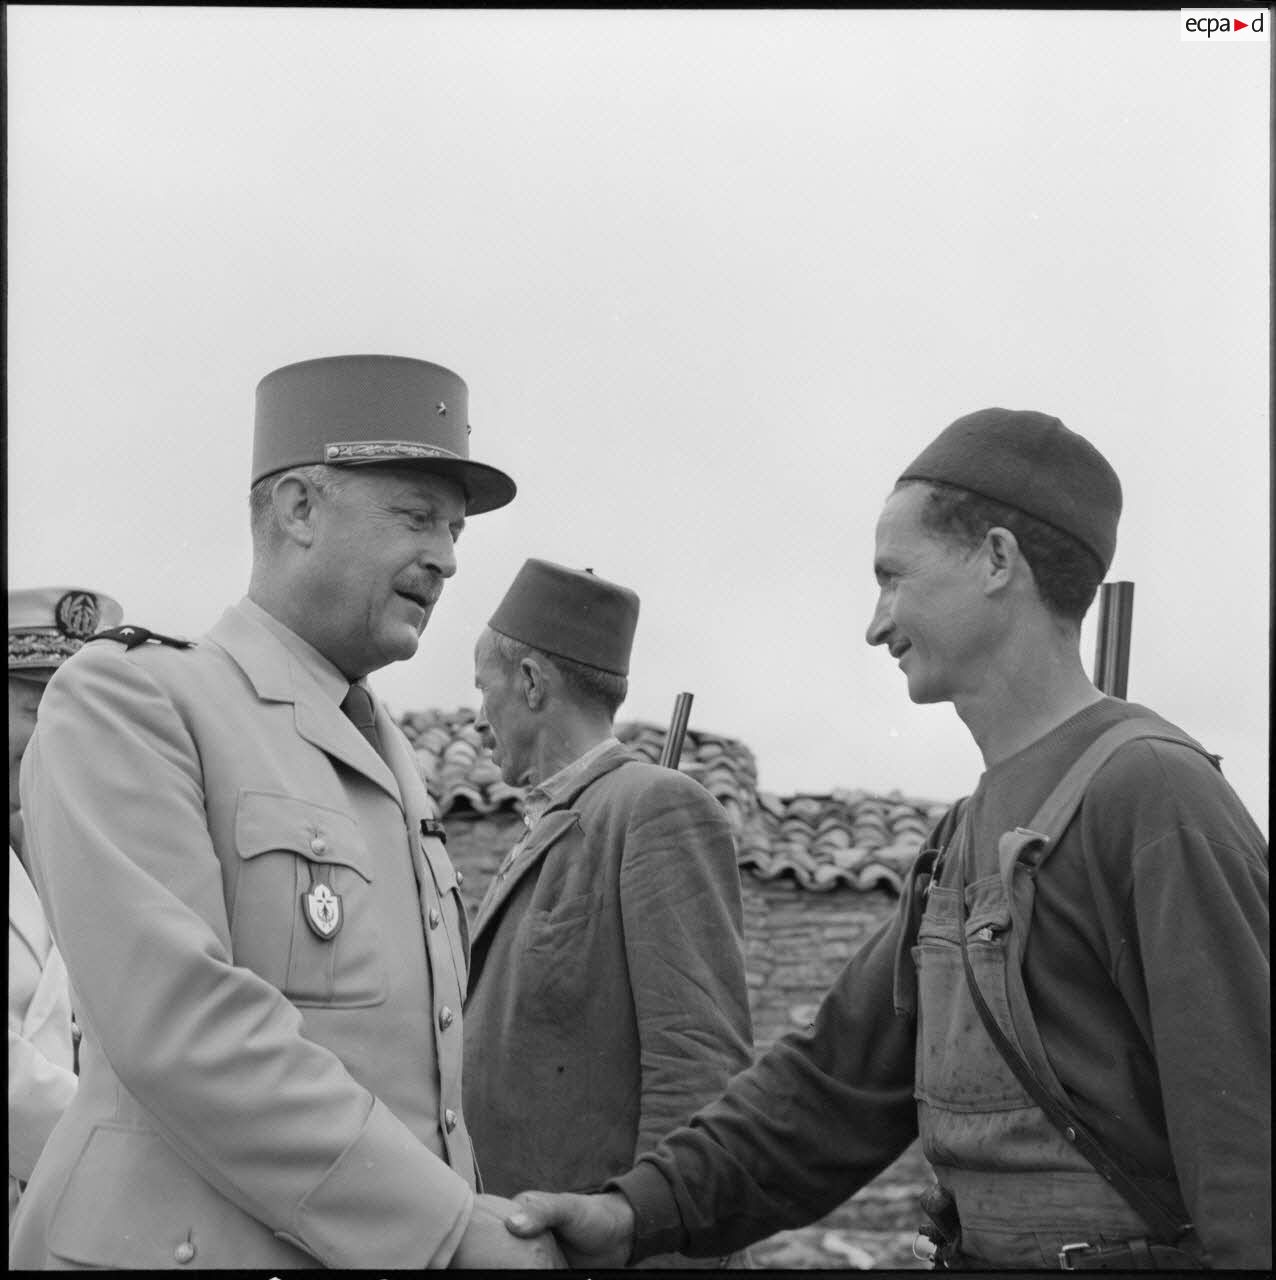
pixel 539 1230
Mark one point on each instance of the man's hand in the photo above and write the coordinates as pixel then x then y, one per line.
pixel 486 1243
pixel 595 1231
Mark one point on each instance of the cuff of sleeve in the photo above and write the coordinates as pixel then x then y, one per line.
pixel 657 1223
pixel 388 1202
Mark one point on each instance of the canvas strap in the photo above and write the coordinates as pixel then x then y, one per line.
pixel 1047 827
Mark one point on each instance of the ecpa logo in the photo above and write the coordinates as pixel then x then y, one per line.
pixel 1224 24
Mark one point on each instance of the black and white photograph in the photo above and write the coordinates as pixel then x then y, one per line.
pixel 638 638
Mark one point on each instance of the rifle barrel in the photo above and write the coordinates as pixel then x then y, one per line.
pixel 1112 649
pixel 672 752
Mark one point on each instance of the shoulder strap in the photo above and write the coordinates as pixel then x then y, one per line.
pixel 131 637
pixel 913 894
pixel 1048 825
pixel 1061 804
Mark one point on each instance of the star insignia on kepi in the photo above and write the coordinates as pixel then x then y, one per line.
pixel 441 409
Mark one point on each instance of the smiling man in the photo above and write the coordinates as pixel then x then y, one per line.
pixel 1071 1005
pixel 242 870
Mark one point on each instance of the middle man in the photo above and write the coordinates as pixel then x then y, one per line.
pixel 607 996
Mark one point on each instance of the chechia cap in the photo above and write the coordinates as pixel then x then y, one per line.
pixel 356 410
pixel 48 624
pixel 570 613
pixel 1030 461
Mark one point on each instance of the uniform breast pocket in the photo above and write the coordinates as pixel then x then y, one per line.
pixel 304 915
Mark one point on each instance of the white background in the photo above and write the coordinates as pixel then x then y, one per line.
pixel 713 278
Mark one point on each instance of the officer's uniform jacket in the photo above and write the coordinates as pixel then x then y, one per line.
pixel 41 1054
pixel 608 998
pixel 251 1094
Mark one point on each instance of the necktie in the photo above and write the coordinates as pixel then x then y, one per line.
pixel 358 708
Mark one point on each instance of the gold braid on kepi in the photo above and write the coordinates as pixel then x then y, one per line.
pixel 48 624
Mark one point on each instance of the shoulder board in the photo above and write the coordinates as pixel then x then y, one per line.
pixel 130 637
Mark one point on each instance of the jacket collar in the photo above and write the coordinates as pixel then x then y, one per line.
pixel 283 672
pixel 561 816
pixel 612 758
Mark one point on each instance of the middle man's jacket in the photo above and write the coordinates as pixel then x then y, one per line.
pixel 607 997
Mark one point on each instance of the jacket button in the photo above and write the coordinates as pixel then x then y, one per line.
pixel 460 879
pixel 445 1017
pixel 184 1252
pixel 449 1119
pixel 435 918
pixel 318 844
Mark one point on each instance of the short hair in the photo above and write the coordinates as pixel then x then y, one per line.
pixel 1067 573
pixel 260 505
pixel 587 684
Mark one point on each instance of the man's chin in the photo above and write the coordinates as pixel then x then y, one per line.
pixel 398 646
pixel 919 693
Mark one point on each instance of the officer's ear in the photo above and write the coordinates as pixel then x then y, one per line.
pixel 293 498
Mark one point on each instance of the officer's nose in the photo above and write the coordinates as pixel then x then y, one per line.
pixel 440 556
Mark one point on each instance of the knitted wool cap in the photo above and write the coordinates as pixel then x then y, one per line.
pixel 48 624
pixel 1030 461
pixel 353 410
pixel 570 613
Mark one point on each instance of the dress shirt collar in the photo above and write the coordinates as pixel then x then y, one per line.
pixel 554 789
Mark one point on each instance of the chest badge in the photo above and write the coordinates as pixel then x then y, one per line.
pixel 323 911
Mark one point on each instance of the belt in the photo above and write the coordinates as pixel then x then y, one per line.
pixel 1129 1255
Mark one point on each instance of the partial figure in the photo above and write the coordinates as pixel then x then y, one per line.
pixel 243 872
pixel 1071 1004
pixel 608 998
pixel 46 626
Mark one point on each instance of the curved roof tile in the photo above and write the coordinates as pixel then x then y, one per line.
pixel 821 842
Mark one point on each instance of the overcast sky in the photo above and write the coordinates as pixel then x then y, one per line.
pixel 713 279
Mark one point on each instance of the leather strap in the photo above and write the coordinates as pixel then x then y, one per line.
pixel 1132 1255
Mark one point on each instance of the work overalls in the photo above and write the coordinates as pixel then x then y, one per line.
pixel 1024 1195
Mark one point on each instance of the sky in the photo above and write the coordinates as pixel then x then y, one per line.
pixel 713 278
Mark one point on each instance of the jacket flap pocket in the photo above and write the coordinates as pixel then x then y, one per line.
pixel 266 822
pixel 132 1203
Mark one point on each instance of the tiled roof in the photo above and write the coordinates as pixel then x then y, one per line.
pixel 847 838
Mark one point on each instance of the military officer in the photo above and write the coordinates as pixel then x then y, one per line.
pixel 244 874
pixel 46 625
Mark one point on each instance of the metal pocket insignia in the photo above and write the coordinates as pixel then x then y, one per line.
pixel 323 911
